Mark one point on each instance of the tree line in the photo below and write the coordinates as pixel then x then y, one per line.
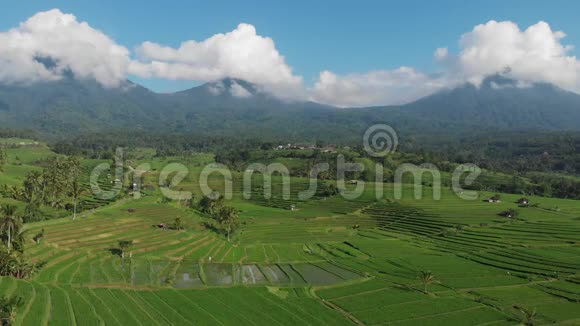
pixel 57 186
pixel 516 153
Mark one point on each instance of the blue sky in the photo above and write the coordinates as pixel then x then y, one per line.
pixel 344 37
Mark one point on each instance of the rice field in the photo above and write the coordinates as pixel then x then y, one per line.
pixel 329 261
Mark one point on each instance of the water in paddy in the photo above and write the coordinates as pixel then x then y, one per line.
pixel 191 275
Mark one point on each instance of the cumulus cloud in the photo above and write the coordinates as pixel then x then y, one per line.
pixel 51 44
pixel 535 54
pixel 397 86
pixel 441 54
pixel 241 53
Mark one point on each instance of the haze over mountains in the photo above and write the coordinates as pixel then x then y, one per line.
pixel 236 107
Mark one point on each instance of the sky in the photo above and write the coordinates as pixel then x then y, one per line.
pixel 344 53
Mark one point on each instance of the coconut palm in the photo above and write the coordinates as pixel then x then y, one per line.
pixel 427 278
pixel 210 205
pixel 15 264
pixel 3 158
pixel 76 191
pixel 34 187
pixel 228 217
pixel 19 237
pixel 32 213
pixel 9 224
pixel 14 192
pixel 31 194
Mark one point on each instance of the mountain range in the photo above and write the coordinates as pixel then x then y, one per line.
pixel 233 107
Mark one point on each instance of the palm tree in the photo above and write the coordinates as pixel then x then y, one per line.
pixel 427 278
pixel 73 165
pixel 76 191
pixel 15 192
pixel 19 237
pixel 210 205
pixel 3 158
pixel 10 224
pixel 32 213
pixel 31 194
pixel 229 219
pixel 34 187
pixel 528 316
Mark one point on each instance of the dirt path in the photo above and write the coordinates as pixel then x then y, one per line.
pixel 343 312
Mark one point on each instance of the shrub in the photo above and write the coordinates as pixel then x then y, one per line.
pixel 510 213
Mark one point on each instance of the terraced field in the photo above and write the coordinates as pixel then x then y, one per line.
pixel 330 261
pixel 71 305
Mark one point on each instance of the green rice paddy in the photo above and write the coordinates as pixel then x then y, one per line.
pixel 331 261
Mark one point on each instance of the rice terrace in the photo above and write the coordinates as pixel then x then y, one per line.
pixel 290 163
pixel 328 261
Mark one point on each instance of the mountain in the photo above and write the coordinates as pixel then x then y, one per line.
pixel 229 106
pixel 71 106
pixel 233 107
pixel 503 103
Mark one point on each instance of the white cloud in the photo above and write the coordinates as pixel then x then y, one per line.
pixel 234 89
pixel 441 54
pixel 241 53
pixel 535 54
pixel 397 86
pixel 69 45
pixel 217 88
pixel 238 90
